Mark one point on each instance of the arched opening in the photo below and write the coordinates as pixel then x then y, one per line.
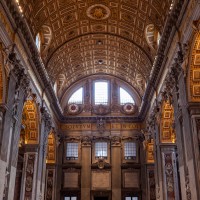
pixel 51 149
pixel 30 122
pixel 28 138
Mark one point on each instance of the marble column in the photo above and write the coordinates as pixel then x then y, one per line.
pixel 45 128
pixel 86 171
pixel 50 182
pixel 18 84
pixel 169 172
pixel 116 169
pixel 29 174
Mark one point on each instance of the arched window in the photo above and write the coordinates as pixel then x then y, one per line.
pixel 38 42
pixel 77 97
pixel 101 92
pixel 125 97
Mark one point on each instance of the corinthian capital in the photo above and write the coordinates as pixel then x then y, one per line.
pixel 46 117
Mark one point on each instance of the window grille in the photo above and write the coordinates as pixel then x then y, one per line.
pixel 129 151
pixel 70 198
pixel 101 150
pixel 72 151
pixel 131 198
pixel 101 93
pixel 125 97
pixel 77 97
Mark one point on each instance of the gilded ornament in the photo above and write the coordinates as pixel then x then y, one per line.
pixel 98 12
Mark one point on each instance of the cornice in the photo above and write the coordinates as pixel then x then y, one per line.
pixel 19 23
pixel 173 21
pixel 94 119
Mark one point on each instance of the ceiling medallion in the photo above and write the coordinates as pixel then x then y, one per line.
pixel 98 12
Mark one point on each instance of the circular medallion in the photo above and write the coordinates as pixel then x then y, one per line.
pixel 73 108
pixel 129 108
pixel 98 12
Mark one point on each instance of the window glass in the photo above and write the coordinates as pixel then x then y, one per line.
pixel 77 97
pixel 131 198
pixel 101 150
pixel 38 42
pixel 101 93
pixel 72 151
pixel 129 150
pixel 125 97
pixel 70 198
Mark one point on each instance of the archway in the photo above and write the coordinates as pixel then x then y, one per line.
pixel 29 137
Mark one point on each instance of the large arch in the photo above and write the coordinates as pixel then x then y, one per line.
pixel 30 120
pixel 51 149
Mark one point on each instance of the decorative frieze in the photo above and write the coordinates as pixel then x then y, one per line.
pixel 169 176
pixel 94 126
pixel 29 176
pixel 50 176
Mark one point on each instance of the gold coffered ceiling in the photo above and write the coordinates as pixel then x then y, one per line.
pixel 97 36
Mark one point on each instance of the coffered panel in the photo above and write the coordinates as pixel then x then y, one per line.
pixel 77 25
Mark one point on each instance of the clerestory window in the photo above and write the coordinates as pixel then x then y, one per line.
pixel 72 151
pixel 130 151
pixel 125 97
pixel 131 198
pixel 76 97
pixel 101 149
pixel 101 92
pixel 70 198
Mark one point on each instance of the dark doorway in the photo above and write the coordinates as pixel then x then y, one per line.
pixel 100 198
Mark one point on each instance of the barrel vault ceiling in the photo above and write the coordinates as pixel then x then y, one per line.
pixel 96 37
